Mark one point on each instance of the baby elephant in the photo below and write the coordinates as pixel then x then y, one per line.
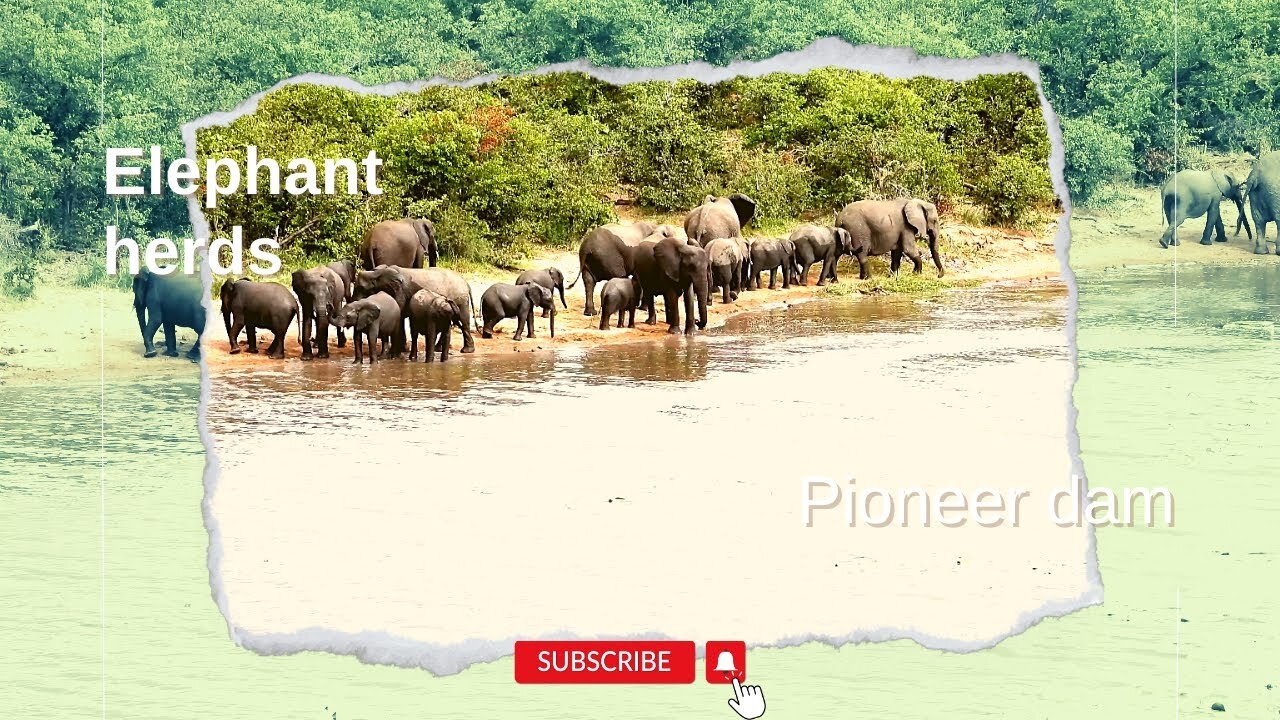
pixel 549 278
pixel 375 317
pixel 619 295
pixel 432 316
pixel 503 300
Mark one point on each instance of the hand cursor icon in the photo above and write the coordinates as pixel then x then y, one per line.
pixel 747 701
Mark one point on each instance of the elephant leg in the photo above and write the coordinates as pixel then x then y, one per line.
pixel 826 270
pixel 1260 230
pixel 670 301
pixel 631 317
pixel 342 337
pixel 305 320
pixel 863 273
pixel 170 339
pixel 276 350
pixel 251 336
pixel 589 287
pixel 153 324
pixel 357 348
pixel 649 306
pixel 724 292
pixel 413 342
pixel 322 330
pixel 773 278
pixel 528 323
pixel 895 260
pixel 690 318
pixel 373 336
pixel 605 312
pixel 444 343
pixel 233 335
pixel 1212 220
pixel 1218 227
pixel 912 251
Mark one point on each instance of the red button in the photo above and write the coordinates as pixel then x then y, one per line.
pixel 605 661
pixel 726 660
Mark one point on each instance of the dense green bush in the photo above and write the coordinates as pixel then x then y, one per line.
pixel 22 251
pixel 540 160
pixel 1096 156
pixel 1012 186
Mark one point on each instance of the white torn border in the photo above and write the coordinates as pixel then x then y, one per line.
pixel 383 648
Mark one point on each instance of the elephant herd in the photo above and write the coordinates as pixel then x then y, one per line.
pixel 640 261
pixel 397 293
pixel 1195 193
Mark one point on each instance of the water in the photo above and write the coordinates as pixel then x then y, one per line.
pixel 1191 406
pixel 565 466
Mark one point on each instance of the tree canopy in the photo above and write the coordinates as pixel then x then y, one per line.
pixel 1108 70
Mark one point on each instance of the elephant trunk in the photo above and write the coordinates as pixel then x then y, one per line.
pixel 141 309
pixel 553 318
pixel 704 298
pixel 1241 219
pixel 562 301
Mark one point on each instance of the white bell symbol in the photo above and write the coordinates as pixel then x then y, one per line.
pixel 724 662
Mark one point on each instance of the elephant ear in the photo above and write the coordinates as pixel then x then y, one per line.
pixel 426 231
pixel 744 206
pixel 913 211
pixel 667 255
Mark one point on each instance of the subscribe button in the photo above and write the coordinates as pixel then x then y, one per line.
pixel 590 662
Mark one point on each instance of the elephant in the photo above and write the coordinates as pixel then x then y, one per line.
pixel 725 257
pixel 404 243
pixel 619 295
pixel 346 270
pixel 719 217
pixel 549 278
pixel 772 255
pixel 877 227
pixel 816 243
pixel 251 305
pixel 606 253
pixel 1191 193
pixel 432 316
pixel 376 317
pixel 168 301
pixel 504 300
pixel 402 283
pixel 321 294
pixel 1263 189
pixel 671 267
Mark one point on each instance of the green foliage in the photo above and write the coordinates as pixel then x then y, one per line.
pixel 1108 61
pixel 22 252
pixel 1096 156
pixel 504 166
pixel 1012 186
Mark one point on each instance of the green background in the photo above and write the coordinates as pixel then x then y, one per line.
pixel 1190 404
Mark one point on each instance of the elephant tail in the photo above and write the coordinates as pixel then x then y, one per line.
pixel 297 309
pixel 475 321
pixel 575 280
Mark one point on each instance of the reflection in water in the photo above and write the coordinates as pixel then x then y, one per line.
pixel 564 466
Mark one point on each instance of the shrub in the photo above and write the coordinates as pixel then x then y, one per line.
pixel 22 253
pixel 1096 156
pixel 1011 187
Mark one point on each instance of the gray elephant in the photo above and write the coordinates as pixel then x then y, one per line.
pixel 606 253
pixel 549 278
pixel 402 283
pixel 321 295
pixel 250 305
pixel 504 300
pixel 820 244
pixel 674 268
pixel 1263 188
pixel 877 227
pixel 1192 193
pixel 372 318
pixel 404 243
pixel 719 217
pixel 772 254
pixel 725 257
pixel 432 316
pixel 168 301
pixel 346 270
pixel 619 295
